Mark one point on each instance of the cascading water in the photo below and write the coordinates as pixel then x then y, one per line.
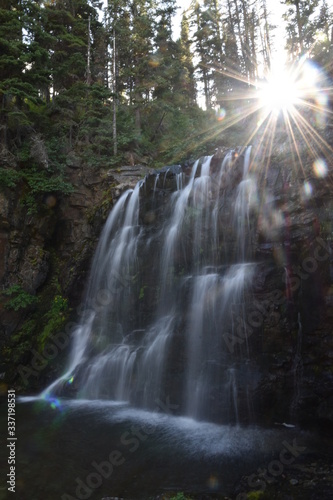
pixel 209 364
pixel 246 198
pixel 163 293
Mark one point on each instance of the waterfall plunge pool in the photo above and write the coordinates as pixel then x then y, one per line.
pixel 85 449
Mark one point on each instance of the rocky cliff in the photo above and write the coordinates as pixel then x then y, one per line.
pixel 45 259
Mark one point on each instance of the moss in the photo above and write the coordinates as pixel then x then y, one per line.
pixel 48 317
pixel 103 208
pixel 55 319
pixel 37 329
pixel 37 258
pixel 255 495
pixel 317 370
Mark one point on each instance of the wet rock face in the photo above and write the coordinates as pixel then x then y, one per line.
pixel 296 334
pixel 57 242
pixel 70 225
pixel 285 374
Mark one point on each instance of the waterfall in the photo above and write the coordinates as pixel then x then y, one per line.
pixel 162 293
pixel 216 299
pixel 246 199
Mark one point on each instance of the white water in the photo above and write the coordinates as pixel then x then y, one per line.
pixel 246 200
pixel 178 273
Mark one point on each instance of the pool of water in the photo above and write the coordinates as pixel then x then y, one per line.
pixel 74 449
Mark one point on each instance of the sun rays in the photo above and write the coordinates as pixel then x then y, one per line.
pixel 287 110
pixel 293 102
pixel 297 98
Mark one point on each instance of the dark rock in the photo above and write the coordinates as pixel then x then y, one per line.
pixel 170 169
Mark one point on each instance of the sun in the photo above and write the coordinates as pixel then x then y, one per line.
pixel 293 102
pixel 280 92
pixel 289 88
pixel 289 104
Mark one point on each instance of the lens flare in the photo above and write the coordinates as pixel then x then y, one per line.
pixel 307 188
pixel 320 168
pixel 53 402
pixel 154 61
pixel 51 201
pixel 322 99
pixel 310 74
pixel 221 114
pixel 213 482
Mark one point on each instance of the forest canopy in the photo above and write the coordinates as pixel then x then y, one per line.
pixel 106 81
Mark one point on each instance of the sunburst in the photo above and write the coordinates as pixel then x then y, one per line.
pixel 294 99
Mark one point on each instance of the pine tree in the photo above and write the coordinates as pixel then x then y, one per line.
pixel 67 21
pixel 164 57
pixel 203 34
pixel 231 50
pixel 16 88
pixel 300 26
pixel 38 61
pixel 245 19
pixel 265 29
pixel 325 20
pixel 217 56
pixel 187 85
pixel 323 47
pixel 141 50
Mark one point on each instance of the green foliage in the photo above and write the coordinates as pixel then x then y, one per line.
pixel 19 298
pixel 55 318
pixel 180 496
pixel 39 183
pixel 21 342
pixel 9 177
pixel 38 329
pixel 50 314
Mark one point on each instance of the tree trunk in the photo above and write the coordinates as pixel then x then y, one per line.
pixel 299 25
pixel 243 49
pixel 88 55
pixel 3 120
pixel 114 84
